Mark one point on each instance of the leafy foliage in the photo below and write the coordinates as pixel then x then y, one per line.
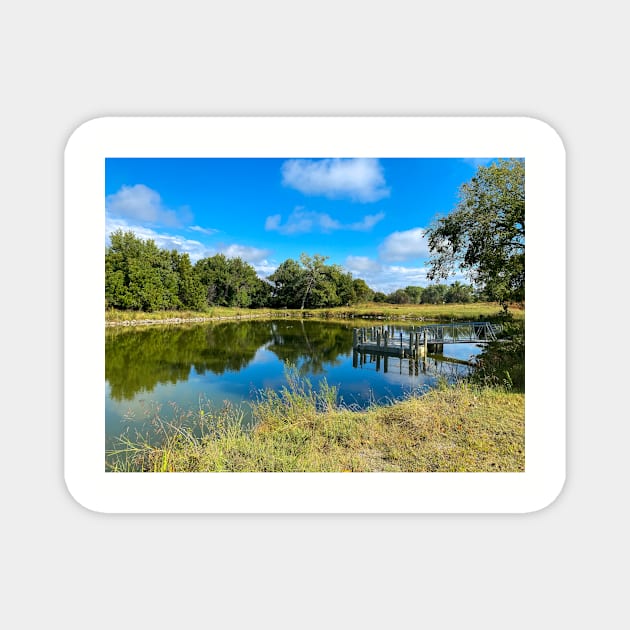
pixel 139 276
pixel 502 363
pixel 485 234
pixel 310 283
pixel 231 282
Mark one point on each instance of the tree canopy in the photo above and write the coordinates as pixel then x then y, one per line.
pixel 141 276
pixel 484 235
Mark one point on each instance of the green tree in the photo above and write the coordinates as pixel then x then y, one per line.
pixel 139 275
pixel 484 236
pixel 434 294
pixel 400 296
pixel 287 280
pixel 191 292
pixel 231 282
pixel 335 288
pixel 362 291
pixel 313 275
pixel 459 293
pixel 214 275
pixel 415 294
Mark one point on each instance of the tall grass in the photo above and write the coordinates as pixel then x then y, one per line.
pixel 302 429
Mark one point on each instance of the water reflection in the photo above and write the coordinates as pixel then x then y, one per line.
pixel 228 362
pixel 139 359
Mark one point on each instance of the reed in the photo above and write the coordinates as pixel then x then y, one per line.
pixel 459 428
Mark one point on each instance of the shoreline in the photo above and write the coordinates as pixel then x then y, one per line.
pixel 190 320
pixel 461 428
pixel 407 313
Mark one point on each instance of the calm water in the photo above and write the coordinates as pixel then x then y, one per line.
pixel 160 367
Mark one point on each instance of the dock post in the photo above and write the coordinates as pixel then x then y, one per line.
pixel 355 338
pixel 378 338
pixel 410 345
pixel 425 343
pixel 355 358
pixel 386 337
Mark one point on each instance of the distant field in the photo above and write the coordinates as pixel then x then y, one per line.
pixel 460 312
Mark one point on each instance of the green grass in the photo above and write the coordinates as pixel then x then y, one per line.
pixel 412 312
pixel 461 428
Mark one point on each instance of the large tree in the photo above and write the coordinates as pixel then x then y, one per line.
pixel 362 292
pixel 484 235
pixel 313 277
pixel 139 275
pixel 288 282
pixel 231 282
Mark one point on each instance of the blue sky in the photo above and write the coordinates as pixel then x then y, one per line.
pixel 367 215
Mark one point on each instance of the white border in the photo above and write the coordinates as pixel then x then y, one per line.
pixel 528 491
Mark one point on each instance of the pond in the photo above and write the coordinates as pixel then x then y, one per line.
pixel 185 366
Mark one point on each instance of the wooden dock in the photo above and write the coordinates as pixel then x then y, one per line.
pixel 420 340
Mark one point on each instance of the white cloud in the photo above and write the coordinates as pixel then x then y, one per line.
pixel 362 264
pixel 388 278
pixel 194 249
pixel 302 221
pixel 247 253
pixel 208 231
pixel 141 203
pixel 273 222
pixel 359 179
pixel 256 257
pixel 264 268
pixel 385 278
pixel 368 222
pixel 405 245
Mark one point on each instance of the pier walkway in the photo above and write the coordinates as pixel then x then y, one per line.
pixel 420 340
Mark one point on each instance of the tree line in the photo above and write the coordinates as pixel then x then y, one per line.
pixel 484 237
pixel 455 293
pixel 141 276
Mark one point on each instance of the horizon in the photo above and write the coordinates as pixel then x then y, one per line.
pixel 367 215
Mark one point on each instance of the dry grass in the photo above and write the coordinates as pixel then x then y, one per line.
pixel 412 312
pixel 453 429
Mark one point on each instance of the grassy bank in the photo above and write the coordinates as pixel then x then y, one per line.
pixel 412 312
pixel 453 429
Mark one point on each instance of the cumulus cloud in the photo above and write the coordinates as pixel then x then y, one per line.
pixel 385 278
pixel 264 268
pixel 141 203
pixel 273 222
pixel 405 245
pixel 358 179
pixel 247 253
pixel 302 221
pixel 362 264
pixel 194 249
